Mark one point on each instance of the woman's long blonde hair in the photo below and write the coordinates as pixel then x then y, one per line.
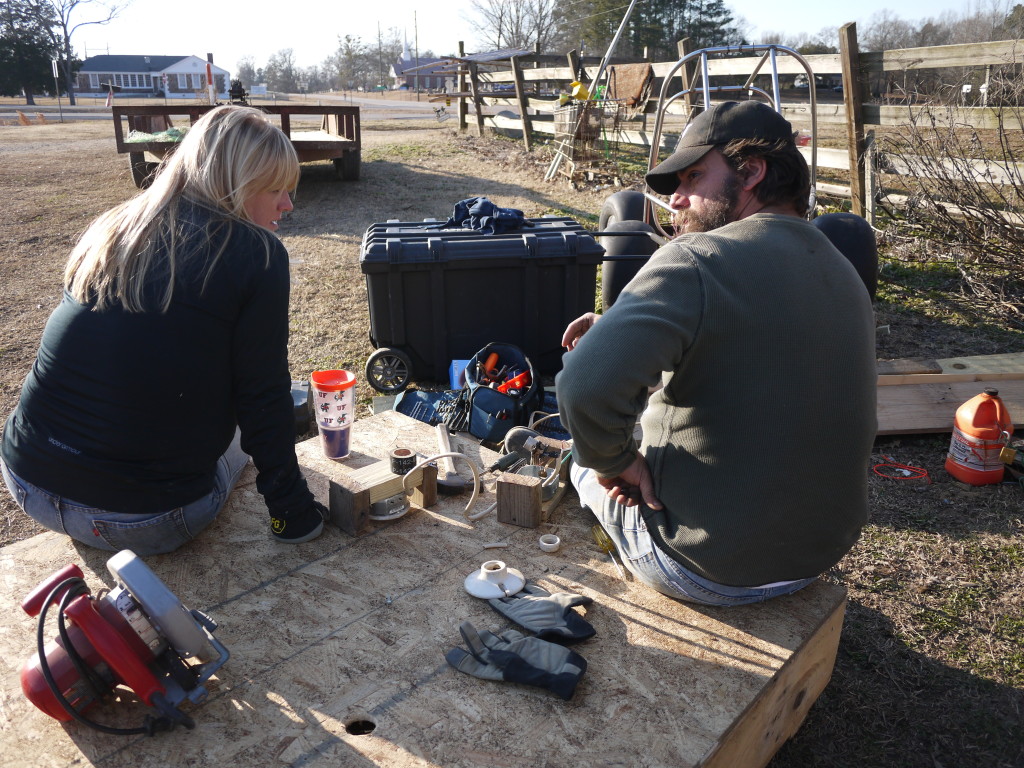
pixel 230 154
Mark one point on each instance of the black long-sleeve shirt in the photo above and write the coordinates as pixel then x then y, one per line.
pixel 129 411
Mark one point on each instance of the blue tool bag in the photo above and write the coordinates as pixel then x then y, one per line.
pixel 502 390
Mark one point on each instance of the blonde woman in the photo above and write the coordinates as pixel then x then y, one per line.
pixel 164 367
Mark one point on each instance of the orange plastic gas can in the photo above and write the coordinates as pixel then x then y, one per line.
pixel 981 428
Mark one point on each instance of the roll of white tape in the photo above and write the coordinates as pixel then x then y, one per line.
pixel 550 543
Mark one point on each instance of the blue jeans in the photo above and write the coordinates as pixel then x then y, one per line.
pixel 153 534
pixel 651 565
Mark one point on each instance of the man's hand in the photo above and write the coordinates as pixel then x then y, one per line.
pixel 632 485
pixel 575 330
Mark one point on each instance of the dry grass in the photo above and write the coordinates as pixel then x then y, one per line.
pixel 930 669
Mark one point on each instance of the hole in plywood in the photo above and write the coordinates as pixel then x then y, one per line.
pixel 360 727
pixel 959 366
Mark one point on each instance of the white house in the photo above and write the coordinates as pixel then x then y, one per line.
pixel 176 77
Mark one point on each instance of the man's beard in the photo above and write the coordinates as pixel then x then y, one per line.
pixel 718 210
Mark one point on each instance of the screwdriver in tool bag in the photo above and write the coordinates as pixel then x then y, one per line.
pixel 607 545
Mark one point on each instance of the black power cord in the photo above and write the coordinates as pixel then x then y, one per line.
pixel 75 587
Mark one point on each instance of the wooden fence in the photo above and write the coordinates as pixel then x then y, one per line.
pixel 870 98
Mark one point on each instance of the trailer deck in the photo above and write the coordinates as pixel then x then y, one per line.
pixel 141 133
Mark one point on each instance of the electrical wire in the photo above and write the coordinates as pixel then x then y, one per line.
pixel 75 588
pixel 476 481
pixel 906 471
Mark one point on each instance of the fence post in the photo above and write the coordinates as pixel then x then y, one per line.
pixel 687 74
pixel 463 106
pixel 474 89
pixel 853 101
pixel 523 99
pixel 870 176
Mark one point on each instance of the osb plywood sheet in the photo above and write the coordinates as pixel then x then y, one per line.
pixel 340 631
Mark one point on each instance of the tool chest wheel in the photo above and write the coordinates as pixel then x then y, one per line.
pixel 388 370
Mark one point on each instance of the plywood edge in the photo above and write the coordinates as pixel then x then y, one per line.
pixel 781 707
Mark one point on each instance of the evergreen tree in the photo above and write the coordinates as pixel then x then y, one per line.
pixel 25 51
pixel 656 25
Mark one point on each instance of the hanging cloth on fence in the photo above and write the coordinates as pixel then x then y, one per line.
pixel 631 85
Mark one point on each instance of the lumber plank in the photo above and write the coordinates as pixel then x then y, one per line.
pixel 947 378
pixel 1006 363
pixel 908 365
pixel 927 407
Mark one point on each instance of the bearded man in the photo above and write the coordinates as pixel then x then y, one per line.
pixel 756 336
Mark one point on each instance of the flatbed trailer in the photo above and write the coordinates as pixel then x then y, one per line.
pixel 336 139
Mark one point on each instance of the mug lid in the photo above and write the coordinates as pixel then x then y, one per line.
pixel 332 381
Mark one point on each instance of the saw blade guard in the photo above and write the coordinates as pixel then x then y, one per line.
pixel 170 618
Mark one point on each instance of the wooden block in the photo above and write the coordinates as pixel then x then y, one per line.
pixel 519 500
pixel 381 482
pixel 349 505
pixel 424 495
pixel 350 495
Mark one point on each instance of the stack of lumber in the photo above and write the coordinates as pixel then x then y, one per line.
pixel 918 395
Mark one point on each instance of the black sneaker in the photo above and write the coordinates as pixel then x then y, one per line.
pixel 297 527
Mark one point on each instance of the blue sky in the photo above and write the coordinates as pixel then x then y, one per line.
pixel 231 31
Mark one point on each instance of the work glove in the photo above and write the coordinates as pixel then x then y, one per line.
pixel 549 616
pixel 514 658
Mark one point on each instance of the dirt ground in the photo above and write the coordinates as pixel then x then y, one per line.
pixel 930 669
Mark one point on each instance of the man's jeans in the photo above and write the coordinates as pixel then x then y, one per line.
pixel 113 531
pixel 652 566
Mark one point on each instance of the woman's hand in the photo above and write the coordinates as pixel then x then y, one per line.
pixel 575 330
pixel 632 485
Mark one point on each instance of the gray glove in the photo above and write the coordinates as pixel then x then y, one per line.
pixel 549 616
pixel 513 658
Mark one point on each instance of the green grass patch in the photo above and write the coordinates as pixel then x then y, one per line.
pixel 401 152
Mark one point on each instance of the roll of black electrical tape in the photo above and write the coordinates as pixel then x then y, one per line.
pixel 402 460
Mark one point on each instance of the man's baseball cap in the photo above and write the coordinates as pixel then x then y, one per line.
pixel 714 127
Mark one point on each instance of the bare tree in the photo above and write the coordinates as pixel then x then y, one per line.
pixel 67 17
pixel 514 23
pixel 246 71
pixel 281 71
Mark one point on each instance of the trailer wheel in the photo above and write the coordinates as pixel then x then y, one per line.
pixel 627 205
pixel 347 166
pixel 142 170
pixel 388 370
pixel 623 257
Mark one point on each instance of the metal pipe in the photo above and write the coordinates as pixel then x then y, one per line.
pixel 611 47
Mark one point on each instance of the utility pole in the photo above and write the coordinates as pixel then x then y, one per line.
pixel 380 62
pixel 416 45
pixel 56 87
